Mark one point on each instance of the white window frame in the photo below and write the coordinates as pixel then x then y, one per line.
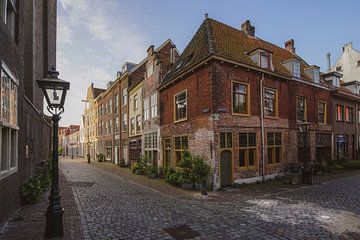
pixel 124 97
pixel 296 68
pixel 13 134
pixel 154 100
pixel 147 108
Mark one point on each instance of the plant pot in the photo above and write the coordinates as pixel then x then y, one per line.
pixel 187 186
pixel 198 186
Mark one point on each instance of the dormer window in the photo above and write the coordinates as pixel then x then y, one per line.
pixel 293 65
pixel 333 78
pixel 262 58
pixel 314 73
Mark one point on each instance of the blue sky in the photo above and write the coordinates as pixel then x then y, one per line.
pixel 95 37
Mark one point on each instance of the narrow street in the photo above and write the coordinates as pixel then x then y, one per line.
pixel 111 207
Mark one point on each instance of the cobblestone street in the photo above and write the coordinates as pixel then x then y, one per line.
pixel 111 207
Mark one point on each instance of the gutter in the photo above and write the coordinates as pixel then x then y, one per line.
pixel 262 128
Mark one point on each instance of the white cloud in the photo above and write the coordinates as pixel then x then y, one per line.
pixel 94 39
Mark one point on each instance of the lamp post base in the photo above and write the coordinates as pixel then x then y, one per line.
pixel 54 223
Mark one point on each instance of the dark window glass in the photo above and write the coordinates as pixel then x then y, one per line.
pixel 242 158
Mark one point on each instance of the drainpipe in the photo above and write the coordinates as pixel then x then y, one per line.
pixel 356 157
pixel 262 128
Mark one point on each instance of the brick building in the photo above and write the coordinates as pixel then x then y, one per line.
pixel 27 52
pixel 91 141
pixel 158 63
pixel 238 101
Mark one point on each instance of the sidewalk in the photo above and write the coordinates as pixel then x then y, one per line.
pixel 29 222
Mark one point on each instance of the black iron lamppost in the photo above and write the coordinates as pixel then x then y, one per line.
pixel 304 129
pixel 88 152
pixel 54 90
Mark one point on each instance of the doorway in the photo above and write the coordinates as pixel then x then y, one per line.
pixel 226 168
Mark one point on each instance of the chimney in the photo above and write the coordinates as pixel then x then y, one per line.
pixel 247 28
pixel 290 45
pixel 328 61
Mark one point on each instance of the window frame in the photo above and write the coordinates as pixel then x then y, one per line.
pixel 276 102
pixel 175 106
pixel 305 108
pixel 147 108
pixel 341 113
pixel 247 149
pixel 349 115
pixel 138 120
pixel 247 99
pixel 227 147
pixel 325 112
pixel 181 149
pixel 273 148
pixel 154 104
pixel 124 97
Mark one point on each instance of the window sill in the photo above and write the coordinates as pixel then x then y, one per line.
pixel 274 164
pixel 7 173
pixel 241 114
pixel 180 120
pixel 270 117
pixel 247 168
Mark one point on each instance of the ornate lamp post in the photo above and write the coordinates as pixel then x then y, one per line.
pixel 88 151
pixel 54 90
pixel 304 129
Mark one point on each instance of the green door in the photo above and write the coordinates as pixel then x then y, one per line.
pixel 226 168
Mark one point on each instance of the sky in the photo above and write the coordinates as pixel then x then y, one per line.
pixel 95 37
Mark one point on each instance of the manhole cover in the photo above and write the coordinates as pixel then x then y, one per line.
pixel 82 184
pixel 181 232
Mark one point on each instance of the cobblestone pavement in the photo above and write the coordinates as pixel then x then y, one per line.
pixel 29 222
pixel 111 207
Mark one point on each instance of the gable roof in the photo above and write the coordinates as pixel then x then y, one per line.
pixel 218 39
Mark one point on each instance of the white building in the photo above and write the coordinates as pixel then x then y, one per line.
pixel 348 64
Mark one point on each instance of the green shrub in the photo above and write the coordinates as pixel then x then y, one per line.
pixel 100 157
pixel 176 178
pixel 336 167
pixel 200 168
pixel 152 170
pixel 353 164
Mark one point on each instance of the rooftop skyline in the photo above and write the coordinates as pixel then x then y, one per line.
pixel 96 37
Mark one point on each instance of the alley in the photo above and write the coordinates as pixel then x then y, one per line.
pixel 111 207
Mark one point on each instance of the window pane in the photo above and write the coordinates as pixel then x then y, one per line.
pixel 264 59
pixel 278 154
pixel 177 143
pixel 185 143
pixel 278 139
pixel 222 140
pixel 270 155
pixel 243 140
pixel 228 140
pixel 252 139
pixel 252 157
pixel 5 149
pixel 270 139
pixel 242 158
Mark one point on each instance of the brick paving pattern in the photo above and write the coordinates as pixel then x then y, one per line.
pixel 29 222
pixel 116 208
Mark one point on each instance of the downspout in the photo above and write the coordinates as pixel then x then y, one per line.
pixel 357 121
pixel 262 128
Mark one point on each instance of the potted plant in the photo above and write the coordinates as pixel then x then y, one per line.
pixel 200 171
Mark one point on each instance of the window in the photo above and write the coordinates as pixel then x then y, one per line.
pixel 9 117
pixel 342 145
pixel 8 13
pixel 296 68
pixel 270 102
pixel 150 70
pixel 322 112
pixel 274 144
pixel 240 101
pixel 181 145
pixel 339 113
pixel 124 97
pixel 154 105
pixel 151 146
pixel 132 125
pixel 181 106
pixel 146 109
pixel 264 60
pixel 358 63
pixel 226 140
pixel 124 121
pixel 349 115
pixel 136 102
pixel 138 124
pixel 116 124
pixel 167 152
pixel 338 68
pixel 316 75
pixel 110 107
pixel 110 127
pixel 116 105
pixel 247 149
pixel 300 109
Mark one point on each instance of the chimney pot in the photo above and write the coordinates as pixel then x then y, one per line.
pixel 290 45
pixel 247 28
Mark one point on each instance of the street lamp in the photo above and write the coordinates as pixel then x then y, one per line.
pixel 54 90
pixel 88 152
pixel 304 129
